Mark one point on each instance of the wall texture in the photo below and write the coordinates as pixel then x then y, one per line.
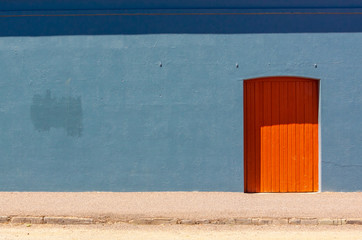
pixel 145 109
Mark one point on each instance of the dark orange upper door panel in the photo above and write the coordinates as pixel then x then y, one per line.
pixel 281 134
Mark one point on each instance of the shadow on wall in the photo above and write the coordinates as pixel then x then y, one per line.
pixel 108 17
pixel 48 112
pixel 209 21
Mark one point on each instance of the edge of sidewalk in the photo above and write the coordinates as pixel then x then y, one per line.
pixel 69 220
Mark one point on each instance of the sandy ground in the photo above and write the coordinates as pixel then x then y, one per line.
pixel 193 205
pixel 176 232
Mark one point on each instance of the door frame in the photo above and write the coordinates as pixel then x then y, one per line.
pixel 319 84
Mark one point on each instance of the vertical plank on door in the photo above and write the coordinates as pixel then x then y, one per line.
pixel 251 126
pixel 266 151
pixel 291 137
pixel 301 121
pixel 308 163
pixel 275 138
pixel 298 133
pixel 315 135
pixel 258 125
pixel 283 137
pixel 249 160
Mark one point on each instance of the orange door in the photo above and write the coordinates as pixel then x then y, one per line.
pixel 281 134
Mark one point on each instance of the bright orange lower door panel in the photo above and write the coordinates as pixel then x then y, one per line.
pixel 281 134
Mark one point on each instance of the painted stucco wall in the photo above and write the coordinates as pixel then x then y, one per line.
pixel 160 111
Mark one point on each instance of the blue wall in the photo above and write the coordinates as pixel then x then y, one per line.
pixel 132 108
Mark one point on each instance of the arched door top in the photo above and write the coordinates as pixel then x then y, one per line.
pixel 281 79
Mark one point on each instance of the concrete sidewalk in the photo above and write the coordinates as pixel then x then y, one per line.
pixel 181 207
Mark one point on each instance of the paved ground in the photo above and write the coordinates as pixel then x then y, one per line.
pixel 191 205
pixel 178 232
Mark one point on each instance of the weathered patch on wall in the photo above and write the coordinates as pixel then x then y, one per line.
pixel 49 112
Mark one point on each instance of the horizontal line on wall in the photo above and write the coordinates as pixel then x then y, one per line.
pixel 178 14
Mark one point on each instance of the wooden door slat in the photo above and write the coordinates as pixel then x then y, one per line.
pixel 291 137
pixel 275 138
pixel 252 137
pixel 258 125
pixel 283 137
pixel 267 136
pixel 315 135
pixel 308 164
